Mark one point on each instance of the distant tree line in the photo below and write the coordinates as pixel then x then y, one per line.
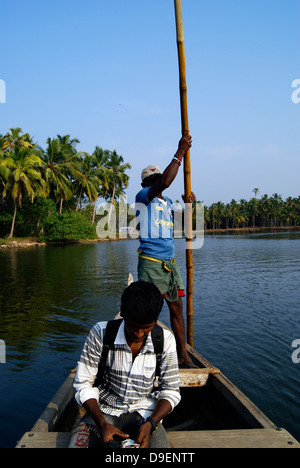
pixel 53 192
pixel 267 211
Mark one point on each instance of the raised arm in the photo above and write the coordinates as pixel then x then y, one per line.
pixel 171 170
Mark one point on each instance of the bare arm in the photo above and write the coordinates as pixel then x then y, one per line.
pixel 161 410
pixel 171 171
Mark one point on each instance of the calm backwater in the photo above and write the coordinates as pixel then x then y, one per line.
pixel 246 316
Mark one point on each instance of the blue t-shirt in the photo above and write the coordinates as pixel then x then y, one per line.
pixel 155 225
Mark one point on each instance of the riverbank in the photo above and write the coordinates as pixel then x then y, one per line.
pixel 30 242
pixel 253 229
pixel 24 243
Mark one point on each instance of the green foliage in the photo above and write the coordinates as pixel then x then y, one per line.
pixel 264 212
pixel 5 222
pixel 37 184
pixel 67 227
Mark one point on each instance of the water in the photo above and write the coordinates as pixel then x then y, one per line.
pixel 246 307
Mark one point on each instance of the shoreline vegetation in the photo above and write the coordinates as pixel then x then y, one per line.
pixel 52 193
pixel 23 243
pixel 50 196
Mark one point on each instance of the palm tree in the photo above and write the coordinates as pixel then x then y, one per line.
pixel 234 209
pixel 87 181
pixel 255 191
pixel 68 144
pixel 243 212
pixel 4 172
pixel 15 139
pixel 264 207
pixel 118 179
pixel 227 214
pixel 220 213
pixel 288 211
pixel 59 162
pixel 253 207
pixel 297 210
pixel 23 178
pixel 276 208
pixel 101 158
pixel 213 211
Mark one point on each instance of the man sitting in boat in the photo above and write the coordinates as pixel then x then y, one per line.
pixel 156 253
pixel 125 396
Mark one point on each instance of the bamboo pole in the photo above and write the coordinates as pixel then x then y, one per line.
pixel 187 170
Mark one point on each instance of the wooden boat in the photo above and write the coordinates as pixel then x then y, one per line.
pixel 213 413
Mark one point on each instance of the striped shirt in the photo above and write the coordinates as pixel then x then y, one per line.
pixel 127 386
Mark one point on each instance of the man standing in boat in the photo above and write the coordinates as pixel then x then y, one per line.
pixel 155 215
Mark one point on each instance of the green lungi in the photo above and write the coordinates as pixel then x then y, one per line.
pixel 165 274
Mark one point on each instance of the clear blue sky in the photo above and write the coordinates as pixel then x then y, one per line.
pixel 106 72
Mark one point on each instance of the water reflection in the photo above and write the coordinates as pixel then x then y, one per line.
pixel 51 292
pixel 246 315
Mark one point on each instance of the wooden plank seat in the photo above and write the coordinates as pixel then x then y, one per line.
pixel 241 438
pixel 244 438
pixel 44 440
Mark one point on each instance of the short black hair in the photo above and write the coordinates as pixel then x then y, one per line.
pixel 152 179
pixel 141 302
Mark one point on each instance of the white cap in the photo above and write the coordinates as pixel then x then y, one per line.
pixel 149 171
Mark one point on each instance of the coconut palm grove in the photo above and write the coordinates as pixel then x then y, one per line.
pixel 52 193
